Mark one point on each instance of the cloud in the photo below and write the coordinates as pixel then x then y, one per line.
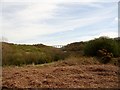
pixel 116 18
pixel 25 21
pixel 59 1
pixel 36 11
pixel 64 38
pixel 109 34
pixel 21 24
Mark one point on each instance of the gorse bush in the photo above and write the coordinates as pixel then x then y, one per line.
pixel 92 47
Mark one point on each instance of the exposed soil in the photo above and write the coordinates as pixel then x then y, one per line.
pixel 53 76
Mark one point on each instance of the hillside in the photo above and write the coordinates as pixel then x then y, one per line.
pixel 15 54
pixel 41 66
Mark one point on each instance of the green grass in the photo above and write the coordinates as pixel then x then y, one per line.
pixel 13 54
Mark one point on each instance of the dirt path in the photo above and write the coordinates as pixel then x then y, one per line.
pixel 76 76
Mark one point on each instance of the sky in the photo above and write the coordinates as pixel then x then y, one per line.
pixel 57 22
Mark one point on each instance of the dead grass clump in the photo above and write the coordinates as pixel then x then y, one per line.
pixel 104 55
pixel 80 61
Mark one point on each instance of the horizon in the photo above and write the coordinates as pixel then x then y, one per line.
pixel 55 44
pixel 58 23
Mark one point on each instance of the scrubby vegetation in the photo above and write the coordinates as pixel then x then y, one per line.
pixel 110 45
pixel 103 48
pixel 75 49
pixel 13 54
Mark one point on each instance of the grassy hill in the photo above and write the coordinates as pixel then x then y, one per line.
pixel 14 54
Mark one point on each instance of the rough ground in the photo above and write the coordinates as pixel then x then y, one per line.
pixel 61 76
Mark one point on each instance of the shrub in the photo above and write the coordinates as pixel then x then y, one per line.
pixel 92 47
pixel 74 49
pixel 104 55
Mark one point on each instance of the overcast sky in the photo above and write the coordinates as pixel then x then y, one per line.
pixel 58 22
